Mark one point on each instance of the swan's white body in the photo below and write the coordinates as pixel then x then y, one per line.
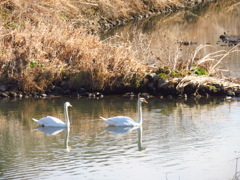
pixel 50 121
pixel 126 121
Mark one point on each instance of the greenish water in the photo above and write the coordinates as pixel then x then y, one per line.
pixel 179 139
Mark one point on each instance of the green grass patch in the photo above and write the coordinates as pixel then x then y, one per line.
pixel 12 25
pixel 199 71
pixel 211 87
pixel 34 64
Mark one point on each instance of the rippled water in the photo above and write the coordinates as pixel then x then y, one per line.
pixel 179 140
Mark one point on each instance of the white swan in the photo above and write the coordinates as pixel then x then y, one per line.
pixel 127 121
pixel 50 121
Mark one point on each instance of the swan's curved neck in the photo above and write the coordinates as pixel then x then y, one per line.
pixel 66 116
pixel 139 112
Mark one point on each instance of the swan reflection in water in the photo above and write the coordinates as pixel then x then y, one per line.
pixel 52 131
pixel 127 130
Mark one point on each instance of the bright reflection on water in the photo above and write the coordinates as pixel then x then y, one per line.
pixel 179 140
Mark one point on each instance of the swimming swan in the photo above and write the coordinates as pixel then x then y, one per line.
pixel 50 121
pixel 127 121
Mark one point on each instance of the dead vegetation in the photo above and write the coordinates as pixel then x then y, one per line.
pixel 40 49
pixel 37 57
pixel 46 43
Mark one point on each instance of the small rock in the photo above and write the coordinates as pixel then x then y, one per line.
pixel 228 98
pixel 156 78
pixel 190 89
pixel 82 90
pixel 237 92
pixel 43 95
pixel 97 94
pixel 150 85
pixel 151 76
pixel 57 89
pixel 67 92
pixel 3 94
pixel 145 95
pixel 161 83
pixel 129 94
pixel 230 93
pixel 63 83
pixel 180 95
pixel 3 87
pixel 52 95
pixel 91 95
pixel 48 91
pixel 218 86
pixel 13 94
pixel 198 96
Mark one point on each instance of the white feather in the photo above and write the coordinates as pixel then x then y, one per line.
pixel 51 121
pixel 126 121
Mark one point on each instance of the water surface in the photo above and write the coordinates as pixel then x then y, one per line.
pixel 179 140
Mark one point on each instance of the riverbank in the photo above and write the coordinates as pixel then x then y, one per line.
pixel 152 85
pixel 52 48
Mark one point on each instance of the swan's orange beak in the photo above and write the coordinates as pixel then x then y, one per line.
pixel 145 101
pixel 70 105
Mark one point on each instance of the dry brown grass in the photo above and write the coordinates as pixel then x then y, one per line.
pixel 41 44
pixel 45 42
pixel 90 14
pixel 37 56
pixel 211 62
